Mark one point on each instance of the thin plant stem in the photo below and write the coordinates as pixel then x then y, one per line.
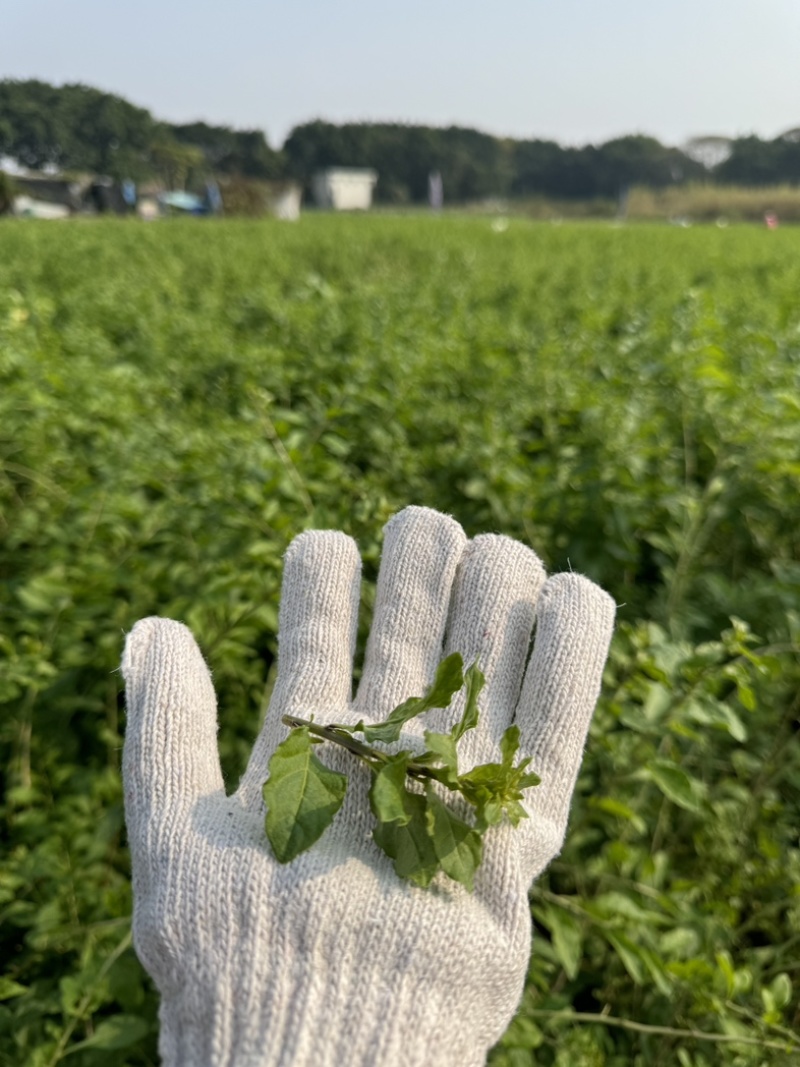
pixel 288 462
pixel 66 1034
pixel 666 1031
pixel 371 755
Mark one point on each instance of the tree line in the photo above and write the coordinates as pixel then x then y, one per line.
pixel 79 128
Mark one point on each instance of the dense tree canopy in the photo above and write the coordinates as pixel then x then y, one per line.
pixel 229 151
pixel 756 162
pixel 472 164
pixel 76 127
pixel 475 165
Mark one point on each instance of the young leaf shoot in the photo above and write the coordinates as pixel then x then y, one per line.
pixel 416 829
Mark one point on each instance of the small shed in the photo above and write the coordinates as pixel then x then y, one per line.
pixel 27 208
pixel 344 188
pixel 35 187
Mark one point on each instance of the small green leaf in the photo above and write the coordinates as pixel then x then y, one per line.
pixel 9 989
pixel 388 796
pixel 490 776
pixel 746 696
pixel 567 936
pixel 490 813
pixel 117 1032
pixel 449 679
pixel 615 903
pixel 509 744
pixel 725 964
pixel 734 724
pixel 389 730
pixel 659 700
pixel 457 845
pixel 522 1034
pixel 474 680
pixel 718 714
pixel 613 806
pixel 674 783
pixel 302 796
pixel 529 779
pixel 657 971
pixel 628 953
pixel 410 845
pixel 743 981
pixel 441 749
pixel 514 812
pixel 781 989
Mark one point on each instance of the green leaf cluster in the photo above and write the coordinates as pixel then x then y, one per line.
pixel 416 829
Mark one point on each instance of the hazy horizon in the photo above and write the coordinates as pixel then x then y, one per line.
pixel 576 75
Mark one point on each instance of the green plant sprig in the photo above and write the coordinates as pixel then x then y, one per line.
pixel 337 735
pixel 419 832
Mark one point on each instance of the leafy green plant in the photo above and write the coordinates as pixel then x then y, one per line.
pixel 417 830
pixel 178 402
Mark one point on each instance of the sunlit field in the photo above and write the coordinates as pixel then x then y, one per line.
pixel 179 400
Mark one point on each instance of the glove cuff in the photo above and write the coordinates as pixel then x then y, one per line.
pixel 330 1017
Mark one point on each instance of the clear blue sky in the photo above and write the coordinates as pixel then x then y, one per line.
pixel 576 71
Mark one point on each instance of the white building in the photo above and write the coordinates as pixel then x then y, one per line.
pixel 344 188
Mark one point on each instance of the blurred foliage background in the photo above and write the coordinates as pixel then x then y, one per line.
pixel 178 401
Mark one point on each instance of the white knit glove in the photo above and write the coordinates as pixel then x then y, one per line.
pixel 332 959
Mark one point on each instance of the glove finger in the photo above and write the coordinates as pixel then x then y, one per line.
pixel 494 600
pixel 574 623
pixel 317 626
pixel 421 549
pixel 170 756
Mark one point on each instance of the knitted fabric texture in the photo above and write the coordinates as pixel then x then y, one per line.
pixel 332 959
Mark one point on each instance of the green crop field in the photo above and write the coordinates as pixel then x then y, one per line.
pixel 178 401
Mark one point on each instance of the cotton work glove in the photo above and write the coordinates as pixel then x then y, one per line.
pixel 332 959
